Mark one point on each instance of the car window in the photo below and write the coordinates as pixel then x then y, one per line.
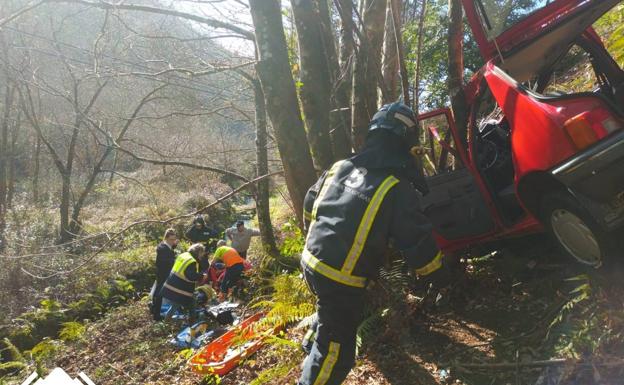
pixel 572 74
pixel 610 28
pixel 440 149
pixel 497 16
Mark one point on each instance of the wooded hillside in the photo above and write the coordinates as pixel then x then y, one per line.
pixel 121 119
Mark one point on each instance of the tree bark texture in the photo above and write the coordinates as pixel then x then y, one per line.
pixel 395 7
pixel 390 59
pixel 339 128
pixel 366 70
pixel 262 168
pixel 456 67
pixel 344 79
pixel 275 75
pixel 315 80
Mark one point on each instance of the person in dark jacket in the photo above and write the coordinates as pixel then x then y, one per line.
pixel 180 285
pixel 199 232
pixel 358 210
pixel 165 257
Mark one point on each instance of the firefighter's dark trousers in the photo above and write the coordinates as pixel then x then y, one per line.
pixel 339 309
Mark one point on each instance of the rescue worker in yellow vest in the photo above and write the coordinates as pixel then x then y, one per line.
pixel 358 208
pixel 234 267
pixel 180 285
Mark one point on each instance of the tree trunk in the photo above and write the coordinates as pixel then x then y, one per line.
pixel 339 98
pixel 315 80
pixel 342 110
pixel 64 232
pixel 281 99
pixel 366 70
pixel 15 129
pixel 113 167
pixel 395 6
pixel 35 180
pixel 390 59
pixel 4 146
pixel 456 68
pixel 421 32
pixel 262 188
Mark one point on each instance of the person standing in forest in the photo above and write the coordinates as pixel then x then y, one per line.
pixel 180 285
pixel 165 258
pixel 199 232
pixel 358 208
pixel 240 236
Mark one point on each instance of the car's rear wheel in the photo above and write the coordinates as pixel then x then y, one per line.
pixel 574 230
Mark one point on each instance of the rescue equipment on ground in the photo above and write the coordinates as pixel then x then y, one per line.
pixel 224 353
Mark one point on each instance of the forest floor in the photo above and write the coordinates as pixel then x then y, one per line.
pixel 500 313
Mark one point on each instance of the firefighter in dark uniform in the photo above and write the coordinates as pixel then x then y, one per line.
pixel 358 208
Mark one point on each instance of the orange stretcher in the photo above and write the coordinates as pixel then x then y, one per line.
pixel 223 354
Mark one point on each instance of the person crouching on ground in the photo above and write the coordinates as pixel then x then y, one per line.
pixel 234 267
pixel 180 284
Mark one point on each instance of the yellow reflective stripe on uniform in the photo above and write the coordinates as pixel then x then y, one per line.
pixel 182 292
pixel 366 223
pixel 325 187
pixel 328 364
pixel 432 266
pixel 185 265
pixel 334 274
pixel 322 192
pixel 182 261
pixel 307 215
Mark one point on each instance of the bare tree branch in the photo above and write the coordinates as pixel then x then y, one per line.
pixel 22 11
pixel 182 164
pixel 111 237
pixel 144 8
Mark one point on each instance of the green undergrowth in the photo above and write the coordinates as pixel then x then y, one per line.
pixel 38 333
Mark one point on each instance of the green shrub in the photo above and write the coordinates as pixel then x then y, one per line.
pixel 45 349
pixel 293 241
pixel 11 368
pixel 22 337
pixel 72 331
pixel 10 352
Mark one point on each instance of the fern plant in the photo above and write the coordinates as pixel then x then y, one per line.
pixel 587 323
pixel 290 302
pixel 395 283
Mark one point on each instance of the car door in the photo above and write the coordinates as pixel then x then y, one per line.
pixel 454 203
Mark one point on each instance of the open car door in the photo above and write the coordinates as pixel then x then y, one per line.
pixel 454 204
pixel 529 35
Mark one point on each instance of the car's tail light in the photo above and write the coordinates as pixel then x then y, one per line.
pixel 580 131
pixel 589 127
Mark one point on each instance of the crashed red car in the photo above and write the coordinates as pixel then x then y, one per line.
pixel 534 157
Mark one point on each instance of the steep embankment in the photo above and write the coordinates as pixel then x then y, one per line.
pixel 502 312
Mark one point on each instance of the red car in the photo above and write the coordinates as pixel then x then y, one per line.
pixel 534 157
